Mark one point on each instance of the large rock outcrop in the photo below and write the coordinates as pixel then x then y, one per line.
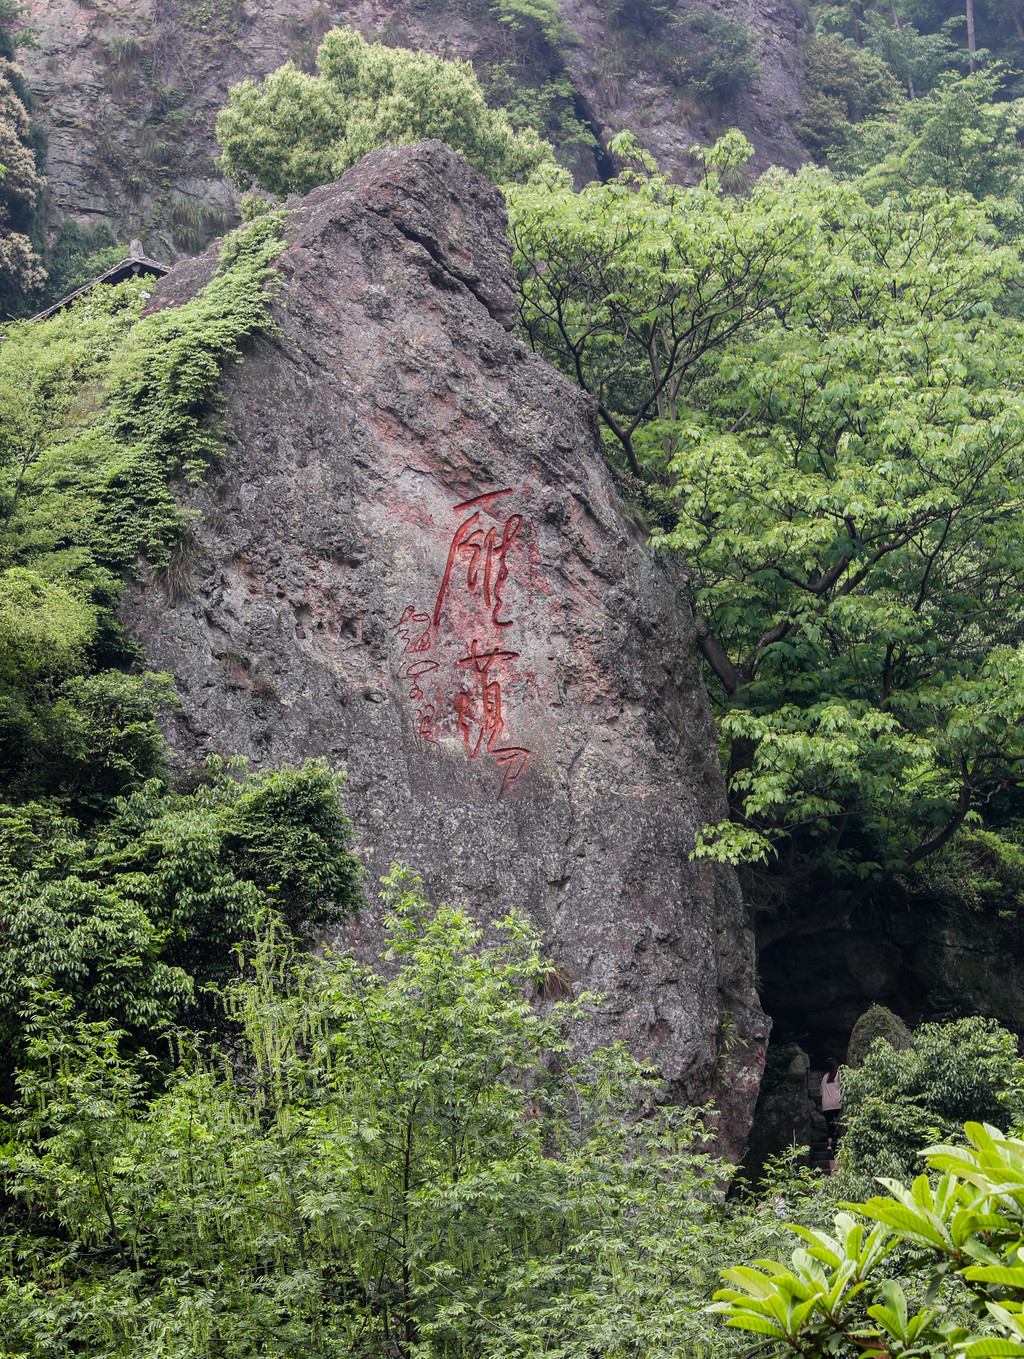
pixel 413 561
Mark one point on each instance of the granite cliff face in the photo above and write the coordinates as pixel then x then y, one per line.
pixel 665 118
pixel 413 561
pixel 128 93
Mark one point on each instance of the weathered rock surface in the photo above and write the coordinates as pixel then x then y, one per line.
pixel 875 1023
pixel 645 100
pixel 413 561
pixel 128 93
pixel 922 959
pixel 786 1115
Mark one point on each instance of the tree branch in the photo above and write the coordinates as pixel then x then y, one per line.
pixel 944 836
pixel 716 656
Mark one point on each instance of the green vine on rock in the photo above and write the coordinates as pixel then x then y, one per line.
pixel 163 382
pixel 102 408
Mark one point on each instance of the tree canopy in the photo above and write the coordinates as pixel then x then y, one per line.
pixel 961 137
pixel 825 398
pixel 21 187
pixel 293 131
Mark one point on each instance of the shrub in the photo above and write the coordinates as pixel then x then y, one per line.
pixel 841 86
pixel 898 1102
pixel 294 131
pixel 127 922
pixel 402 1165
pixel 935 1270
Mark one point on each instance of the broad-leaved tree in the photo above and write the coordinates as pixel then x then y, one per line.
pixel 829 401
pixel 293 131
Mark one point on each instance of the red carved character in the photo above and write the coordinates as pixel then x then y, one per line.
pixel 472 542
pixel 514 758
pixel 479 715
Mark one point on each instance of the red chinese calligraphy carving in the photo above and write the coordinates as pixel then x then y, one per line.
pixel 427 661
pixel 490 721
pixel 471 541
pixel 414 630
pixel 408 628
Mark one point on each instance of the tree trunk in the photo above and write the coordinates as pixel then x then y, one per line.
pixel 858 25
pixel 1016 22
pixel 972 45
pixel 896 20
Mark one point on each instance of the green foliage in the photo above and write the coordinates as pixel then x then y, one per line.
pixel 21 187
pixel 409 1164
pixel 44 628
pixel 940 1273
pixel 295 131
pixel 47 376
pixel 286 830
pixel 120 898
pixel 841 86
pixel 13 32
pixel 902 1099
pixel 982 870
pixel 98 737
pixel 998 22
pixel 718 61
pixel 126 922
pixel 99 411
pixel 958 138
pixel 626 285
pixel 521 62
pixel 101 405
pixel 161 385
pixel 921 39
pixel 917 60
pixel 872 434
pixel 886 29
pixel 531 96
pixel 802 1306
pixel 82 741
pixel 826 387
pixel 193 223
pixel 116 891
pixel 78 255
pixel 705 57
pixel 544 15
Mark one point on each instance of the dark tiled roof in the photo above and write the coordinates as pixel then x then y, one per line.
pixel 128 268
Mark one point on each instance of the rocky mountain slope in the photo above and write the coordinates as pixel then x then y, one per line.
pixel 128 92
pixel 414 562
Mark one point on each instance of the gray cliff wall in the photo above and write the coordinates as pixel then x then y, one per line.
pixel 413 561
pixel 128 94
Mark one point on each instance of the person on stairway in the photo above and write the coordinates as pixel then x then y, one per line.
pixel 832 1103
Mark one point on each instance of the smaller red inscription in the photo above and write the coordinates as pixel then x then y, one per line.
pixel 414 631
